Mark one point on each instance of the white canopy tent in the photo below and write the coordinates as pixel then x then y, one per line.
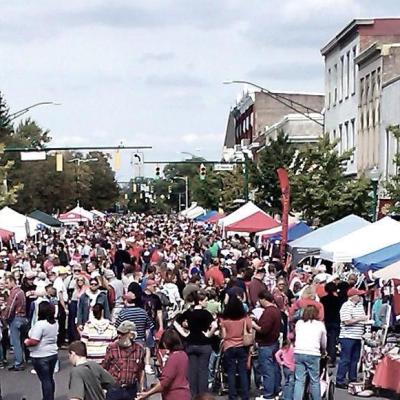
pixel 187 210
pixel 243 212
pixel 21 225
pixel 372 237
pixel 390 272
pixel 85 213
pixel 195 212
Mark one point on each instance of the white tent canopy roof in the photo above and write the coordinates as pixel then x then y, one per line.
pixel 372 237
pixel 187 210
pixel 18 223
pixel 390 272
pixel 243 212
pixel 98 214
pixel 85 213
pixel 195 212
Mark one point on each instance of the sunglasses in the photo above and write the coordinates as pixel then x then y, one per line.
pixel 94 284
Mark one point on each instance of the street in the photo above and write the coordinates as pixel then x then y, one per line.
pixel 24 385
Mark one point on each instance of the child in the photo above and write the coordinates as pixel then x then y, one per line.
pixel 285 358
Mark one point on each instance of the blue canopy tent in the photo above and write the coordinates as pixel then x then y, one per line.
pixel 207 216
pixel 378 259
pixel 294 232
pixel 311 243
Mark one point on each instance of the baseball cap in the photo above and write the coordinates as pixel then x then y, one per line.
pixel 355 292
pixel 127 327
pixel 109 274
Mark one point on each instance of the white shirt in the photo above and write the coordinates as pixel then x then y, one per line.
pixel 58 284
pixel 351 311
pixel 310 337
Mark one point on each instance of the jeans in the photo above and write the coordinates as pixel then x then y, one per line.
pixel 17 326
pixel 307 365
pixel 211 367
pixel 62 332
pixel 349 357
pixel 332 333
pixel 73 333
pixel 288 387
pixel 199 357
pixel 44 367
pixel 235 358
pixel 270 371
pixel 122 393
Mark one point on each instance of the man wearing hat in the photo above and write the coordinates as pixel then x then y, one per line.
pixel 352 318
pixel 124 361
pixel 115 292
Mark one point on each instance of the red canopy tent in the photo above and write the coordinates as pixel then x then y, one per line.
pixel 5 235
pixel 215 218
pixel 256 222
pixel 72 217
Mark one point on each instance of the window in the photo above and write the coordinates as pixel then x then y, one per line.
pixel 335 98
pixel 354 51
pixel 340 144
pixel 347 74
pixel 341 92
pixel 329 88
pixel 334 135
pixel 352 139
pixel 346 143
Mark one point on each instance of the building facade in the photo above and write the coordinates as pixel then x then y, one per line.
pixel 353 84
pixel 256 112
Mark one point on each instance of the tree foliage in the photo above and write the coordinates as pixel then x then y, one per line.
pixel 392 184
pixel 278 153
pixel 321 191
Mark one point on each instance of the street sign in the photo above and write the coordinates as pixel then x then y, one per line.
pixel 223 167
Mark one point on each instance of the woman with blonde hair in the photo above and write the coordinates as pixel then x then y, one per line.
pixel 307 298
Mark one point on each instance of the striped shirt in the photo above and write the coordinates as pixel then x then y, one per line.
pixel 139 317
pixel 98 334
pixel 351 311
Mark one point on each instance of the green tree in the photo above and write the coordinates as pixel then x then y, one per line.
pixel 278 153
pixel 232 188
pixel 321 191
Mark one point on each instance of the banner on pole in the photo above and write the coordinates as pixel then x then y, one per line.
pixel 285 189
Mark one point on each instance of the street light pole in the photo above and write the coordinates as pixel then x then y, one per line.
pixel 246 176
pixel 186 179
pixel 374 176
pixel 19 113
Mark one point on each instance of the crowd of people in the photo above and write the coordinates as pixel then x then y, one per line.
pixel 131 297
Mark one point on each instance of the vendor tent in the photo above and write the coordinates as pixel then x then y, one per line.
pixel 85 213
pixel 195 212
pixel 215 218
pixel 378 259
pixel 256 222
pixel 21 225
pixel 295 231
pixel 206 216
pixel 46 219
pixel 192 206
pixel 376 236
pixel 392 271
pixel 5 235
pixel 243 212
pixel 311 243
pixel 72 217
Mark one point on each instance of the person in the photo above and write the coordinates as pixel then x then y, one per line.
pixel 310 341
pixel 282 301
pixel 124 360
pixel 332 304
pixel 173 384
pixel 42 344
pixel 132 312
pixel 216 274
pixel 256 286
pixel 80 287
pixel 199 348
pixel 87 378
pixel 233 325
pixel 352 317
pixel 115 293
pixel 267 334
pixel 88 299
pixel 97 334
pixel 15 314
pixel 285 358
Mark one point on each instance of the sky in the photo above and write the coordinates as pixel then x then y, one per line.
pixel 151 72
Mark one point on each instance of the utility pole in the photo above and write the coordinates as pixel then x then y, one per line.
pixel 186 179
pixel 246 176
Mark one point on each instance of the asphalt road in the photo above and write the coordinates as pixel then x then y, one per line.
pixel 19 385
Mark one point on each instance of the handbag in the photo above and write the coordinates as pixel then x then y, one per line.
pixel 248 337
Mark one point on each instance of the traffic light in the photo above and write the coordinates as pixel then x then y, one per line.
pixel 203 172
pixel 158 172
pixel 134 188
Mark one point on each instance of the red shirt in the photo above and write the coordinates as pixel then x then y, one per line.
pixel 216 274
pixel 173 379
